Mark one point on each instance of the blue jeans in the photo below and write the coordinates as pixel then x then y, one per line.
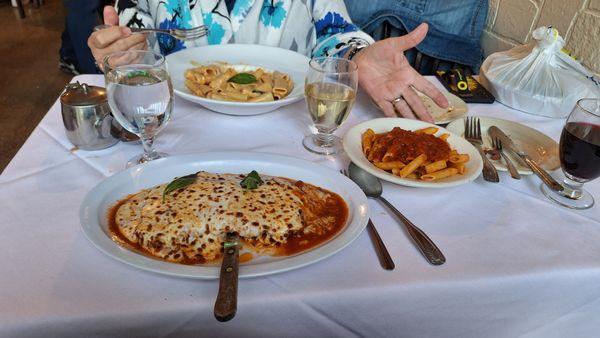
pixel 82 17
pixel 455 26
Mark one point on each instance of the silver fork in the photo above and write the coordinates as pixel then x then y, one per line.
pixel 497 144
pixel 181 34
pixel 473 135
pixel 385 260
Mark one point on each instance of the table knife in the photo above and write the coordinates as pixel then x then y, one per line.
pixel 548 180
pixel 226 303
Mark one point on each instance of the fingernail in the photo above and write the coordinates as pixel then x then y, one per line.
pixel 126 30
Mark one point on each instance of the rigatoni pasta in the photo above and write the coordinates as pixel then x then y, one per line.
pixel 222 82
pixel 418 154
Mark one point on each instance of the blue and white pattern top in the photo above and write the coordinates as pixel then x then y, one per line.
pixel 310 27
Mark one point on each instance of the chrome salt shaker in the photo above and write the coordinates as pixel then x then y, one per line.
pixel 86 116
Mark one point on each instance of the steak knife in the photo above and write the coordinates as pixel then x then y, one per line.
pixel 226 303
pixel 548 180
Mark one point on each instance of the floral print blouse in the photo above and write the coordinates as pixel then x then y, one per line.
pixel 310 27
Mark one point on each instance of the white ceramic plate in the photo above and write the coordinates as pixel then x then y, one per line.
pixel 239 56
pixel 93 211
pixel 353 147
pixel 541 148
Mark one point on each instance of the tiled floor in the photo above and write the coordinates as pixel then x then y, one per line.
pixel 29 77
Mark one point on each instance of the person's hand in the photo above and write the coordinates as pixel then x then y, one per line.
pixel 113 39
pixel 386 75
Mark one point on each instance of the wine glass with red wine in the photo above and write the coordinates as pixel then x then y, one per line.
pixel 579 155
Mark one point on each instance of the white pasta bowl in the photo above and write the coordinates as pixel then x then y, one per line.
pixel 353 147
pixel 240 57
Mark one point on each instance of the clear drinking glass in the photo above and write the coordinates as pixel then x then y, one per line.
pixel 330 89
pixel 140 96
pixel 579 155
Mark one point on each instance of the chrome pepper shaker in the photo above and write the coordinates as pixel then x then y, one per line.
pixel 86 116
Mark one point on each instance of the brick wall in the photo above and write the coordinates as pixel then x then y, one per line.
pixel 510 22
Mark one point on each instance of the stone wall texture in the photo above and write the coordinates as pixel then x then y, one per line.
pixel 510 23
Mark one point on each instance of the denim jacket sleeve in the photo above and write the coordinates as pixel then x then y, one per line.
pixel 454 26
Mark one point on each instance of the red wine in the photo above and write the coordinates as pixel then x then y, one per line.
pixel 580 150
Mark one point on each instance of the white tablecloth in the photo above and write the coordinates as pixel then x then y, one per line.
pixel 518 265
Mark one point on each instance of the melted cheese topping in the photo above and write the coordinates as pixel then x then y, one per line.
pixel 190 224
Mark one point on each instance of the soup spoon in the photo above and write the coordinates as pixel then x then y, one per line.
pixel 371 186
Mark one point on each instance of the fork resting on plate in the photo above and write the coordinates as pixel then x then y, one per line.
pixel 473 135
pixel 497 144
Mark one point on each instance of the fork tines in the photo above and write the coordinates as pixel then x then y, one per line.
pixel 195 35
pixel 472 128
pixel 469 128
pixel 190 34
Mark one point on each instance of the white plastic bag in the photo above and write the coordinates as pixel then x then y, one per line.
pixel 538 78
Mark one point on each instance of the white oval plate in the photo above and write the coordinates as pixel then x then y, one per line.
pixel 94 222
pixel 237 55
pixel 541 148
pixel 353 147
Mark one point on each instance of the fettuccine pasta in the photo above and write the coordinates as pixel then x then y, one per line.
pixel 222 82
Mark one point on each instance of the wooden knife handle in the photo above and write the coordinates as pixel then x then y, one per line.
pixel 226 303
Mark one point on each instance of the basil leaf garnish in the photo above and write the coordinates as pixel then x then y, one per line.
pixel 251 181
pixel 242 78
pixel 178 183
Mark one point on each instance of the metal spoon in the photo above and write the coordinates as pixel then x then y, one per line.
pixel 371 186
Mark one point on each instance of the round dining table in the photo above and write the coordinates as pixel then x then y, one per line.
pixel 517 264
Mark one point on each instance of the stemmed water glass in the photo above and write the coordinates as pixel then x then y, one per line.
pixel 330 89
pixel 579 155
pixel 140 96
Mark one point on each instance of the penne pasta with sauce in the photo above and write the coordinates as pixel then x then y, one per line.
pixel 389 165
pixel 419 155
pixel 459 158
pixel 367 140
pixel 435 166
pixel 413 165
pixel 440 174
pixel 460 167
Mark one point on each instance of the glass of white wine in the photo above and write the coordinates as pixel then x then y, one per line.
pixel 140 96
pixel 330 90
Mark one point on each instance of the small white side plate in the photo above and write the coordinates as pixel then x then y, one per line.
pixel 94 208
pixel 353 147
pixel 541 148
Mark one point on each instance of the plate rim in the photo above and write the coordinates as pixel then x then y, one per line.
pixel 359 213
pixel 396 122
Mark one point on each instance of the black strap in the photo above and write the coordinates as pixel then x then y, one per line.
pixel 229 4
